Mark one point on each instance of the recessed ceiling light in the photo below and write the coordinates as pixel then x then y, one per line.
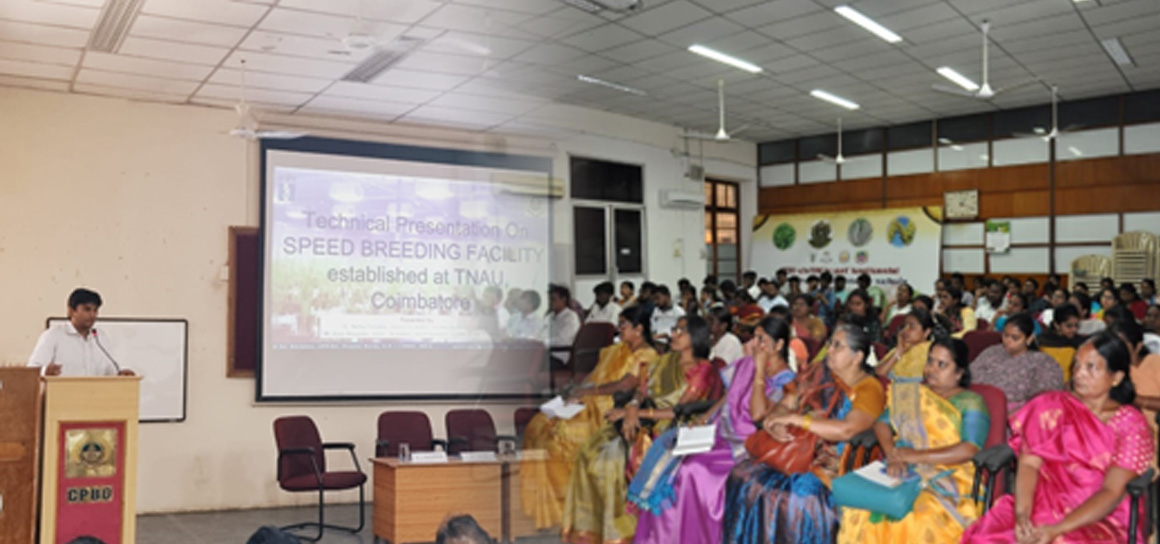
pixel 1075 151
pixel 869 24
pixel 959 79
pixel 1039 130
pixel 834 99
pixel 609 84
pixel 1116 50
pixel 727 59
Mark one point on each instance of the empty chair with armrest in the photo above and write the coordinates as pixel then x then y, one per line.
pixel 302 468
pixel 471 430
pixel 411 428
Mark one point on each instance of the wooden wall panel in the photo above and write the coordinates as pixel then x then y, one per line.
pixel 1102 185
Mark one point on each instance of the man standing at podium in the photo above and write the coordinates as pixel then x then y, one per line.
pixel 77 349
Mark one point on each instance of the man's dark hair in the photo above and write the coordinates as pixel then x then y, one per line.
pixel 827 276
pixel 727 288
pixel 957 276
pixel 648 287
pixel 560 291
pixel 795 279
pixel 83 296
pixel 1033 281
pixel 811 277
pixel 663 290
pixel 863 277
pixel 628 284
pixel 749 275
pixel 604 287
pixel 462 530
pixel 1081 285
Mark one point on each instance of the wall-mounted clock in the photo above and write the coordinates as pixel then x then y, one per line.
pixel 961 204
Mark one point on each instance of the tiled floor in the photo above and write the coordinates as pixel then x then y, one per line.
pixel 235 527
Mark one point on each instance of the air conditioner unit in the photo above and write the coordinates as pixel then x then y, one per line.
pixel 682 200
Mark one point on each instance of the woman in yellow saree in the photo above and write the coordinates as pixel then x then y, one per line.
pixel 932 429
pixel 543 484
pixel 906 361
pixel 596 506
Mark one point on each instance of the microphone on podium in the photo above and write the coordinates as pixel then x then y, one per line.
pixel 97 337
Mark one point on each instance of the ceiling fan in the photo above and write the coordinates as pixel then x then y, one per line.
pixel 1055 130
pixel 721 135
pixel 984 91
pixel 247 127
pixel 839 159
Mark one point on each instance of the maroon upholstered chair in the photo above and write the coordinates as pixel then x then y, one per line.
pixel 302 468
pixel 894 326
pixel 591 338
pixel 522 417
pixel 411 428
pixel 977 341
pixel 471 430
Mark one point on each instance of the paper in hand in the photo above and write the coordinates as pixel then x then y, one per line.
pixel 692 440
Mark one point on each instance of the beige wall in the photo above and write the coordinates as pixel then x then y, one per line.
pixel 134 200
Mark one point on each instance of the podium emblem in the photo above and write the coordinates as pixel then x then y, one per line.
pixel 91 453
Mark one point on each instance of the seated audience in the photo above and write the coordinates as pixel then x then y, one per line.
pixel 1152 329
pixel 795 286
pixel 992 301
pixel 462 530
pixel 1016 304
pixel 627 294
pixel 932 430
pixel 665 314
pixel 1145 371
pixel 900 305
pixel 604 310
pixel 1058 298
pixel 1035 303
pixel 908 359
pixel 689 303
pixel 595 507
pixel 805 324
pixel 563 322
pixel 770 296
pixel 877 295
pixel 833 401
pixel 1130 298
pixel 1148 292
pixel 923 302
pixel 726 345
pixel 961 318
pixel 861 313
pixel 840 290
pixel 1016 366
pixel 681 498
pixel 646 297
pixel 1077 452
pixel 749 284
pixel 1108 298
pixel 1088 325
pixel 543 484
pixel 526 321
pixel 959 281
pixel 1062 339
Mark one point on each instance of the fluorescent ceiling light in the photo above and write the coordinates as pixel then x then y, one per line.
pixel 867 23
pixel 117 17
pixel 1039 130
pixel 382 60
pixel 722 57
pixel 959 79
pixel 609 84
pixel 834 99
pixel 1116 50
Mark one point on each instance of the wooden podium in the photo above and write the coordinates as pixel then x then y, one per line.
pixel 89 461
pixel 19 453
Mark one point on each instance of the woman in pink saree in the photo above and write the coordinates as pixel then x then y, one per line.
pixel 1077 452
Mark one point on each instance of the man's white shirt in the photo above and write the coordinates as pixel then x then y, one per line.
pixel 663 321
pixel 984 309
pixel 768 304
pixel 77 355
pixel 610 313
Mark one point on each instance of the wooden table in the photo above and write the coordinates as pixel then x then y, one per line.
pixel 412 499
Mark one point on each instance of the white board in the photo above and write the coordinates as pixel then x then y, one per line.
pixel 156 349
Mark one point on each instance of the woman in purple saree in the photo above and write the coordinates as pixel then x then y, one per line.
pixel 682 499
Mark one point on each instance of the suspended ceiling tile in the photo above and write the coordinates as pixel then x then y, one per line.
pixel 172 51
pixel 471 18
pixel 419 79
pixel 531 7
pixel 136 82
pixel 294 66
pixel 30 11
pixel 804 25
pixel 35 69
pixel 39 53
pixel 670 16
pixel 725 6
pixel 134 65
pixel 951 28
pixel 702 32
pixel 398 11
pixel 350 104
pixel 556 27
pixel 220 12
pixel 331 27
pixel 773 11
pixel 263 80
pixel 287 98
pixel 638 51
pixel 444 115
pixel 443 63
pixel 162 28
pixel 602 37
pixel 877 9
pixel 57 36
pixel 481 45
pixel 132 94
pixel 929 13
pixel 484 103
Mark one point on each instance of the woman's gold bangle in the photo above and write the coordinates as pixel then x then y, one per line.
pixel 806 420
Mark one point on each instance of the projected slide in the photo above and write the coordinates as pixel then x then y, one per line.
pixel 375 264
